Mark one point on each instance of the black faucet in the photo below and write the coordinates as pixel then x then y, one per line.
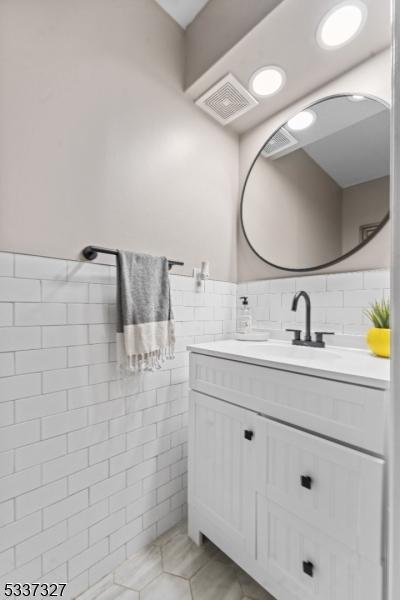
pixel 307 341
pixel 302 294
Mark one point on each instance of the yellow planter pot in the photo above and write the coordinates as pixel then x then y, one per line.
pixel 378 341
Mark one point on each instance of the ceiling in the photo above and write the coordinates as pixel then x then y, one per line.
pixel 286 37
pixel 182 11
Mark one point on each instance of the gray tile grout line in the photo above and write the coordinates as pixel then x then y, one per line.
pixel 189 580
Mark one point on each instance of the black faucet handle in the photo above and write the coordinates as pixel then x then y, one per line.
pixel 297 334
pixel 319 335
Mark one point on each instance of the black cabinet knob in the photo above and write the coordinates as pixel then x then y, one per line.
pixel 308 568
pixel 306 482
pixel 248 434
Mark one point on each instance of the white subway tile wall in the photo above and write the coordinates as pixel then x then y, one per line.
pixel 338 302
pixel 91 467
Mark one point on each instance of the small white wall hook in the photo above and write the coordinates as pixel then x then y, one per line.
pixel 201 274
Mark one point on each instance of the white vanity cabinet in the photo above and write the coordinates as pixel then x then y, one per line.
pixel 301 513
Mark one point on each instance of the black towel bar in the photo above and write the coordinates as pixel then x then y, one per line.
pixel 91 252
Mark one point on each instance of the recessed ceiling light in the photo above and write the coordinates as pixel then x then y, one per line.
pixel 302 120
pixel 341 24
pixel 267 81
pixel 356 98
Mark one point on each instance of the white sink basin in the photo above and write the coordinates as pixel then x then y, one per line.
pixel 278 351
pixel 344 364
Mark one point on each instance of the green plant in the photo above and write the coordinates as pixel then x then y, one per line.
pixel 379 314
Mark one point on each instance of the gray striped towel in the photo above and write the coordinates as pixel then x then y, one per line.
pixel 145 326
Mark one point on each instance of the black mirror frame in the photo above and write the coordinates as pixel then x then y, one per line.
pixel 347 254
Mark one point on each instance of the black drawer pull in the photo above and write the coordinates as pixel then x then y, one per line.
pixel 308 568
pixel 306 482
pixel 248 434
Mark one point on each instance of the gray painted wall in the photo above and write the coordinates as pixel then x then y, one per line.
pixel 99 145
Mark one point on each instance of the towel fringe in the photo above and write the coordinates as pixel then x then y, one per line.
pixel 137 363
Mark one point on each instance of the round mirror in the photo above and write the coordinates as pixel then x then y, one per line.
pixel 318 190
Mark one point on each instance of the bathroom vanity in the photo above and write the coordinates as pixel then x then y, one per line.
pixel 287 465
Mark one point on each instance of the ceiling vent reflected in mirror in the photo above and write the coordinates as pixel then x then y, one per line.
pixel 281 141
pixel 226 100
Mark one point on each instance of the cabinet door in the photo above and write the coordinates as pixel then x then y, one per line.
pixel 221 459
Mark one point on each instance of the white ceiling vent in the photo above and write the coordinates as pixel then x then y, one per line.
pixel 226 100
pixel 279 143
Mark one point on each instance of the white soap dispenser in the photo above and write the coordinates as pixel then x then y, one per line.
pixel 244 318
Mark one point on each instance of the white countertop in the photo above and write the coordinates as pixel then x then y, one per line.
pixel 350 365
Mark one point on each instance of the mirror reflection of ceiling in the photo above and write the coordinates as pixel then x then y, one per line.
pixel 323 189
pixel 340 140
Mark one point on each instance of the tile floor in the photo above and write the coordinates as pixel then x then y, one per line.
pixel 174 568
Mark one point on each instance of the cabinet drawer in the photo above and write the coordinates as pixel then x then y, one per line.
pixel 336 489
pixel 309 565
pixel 346 412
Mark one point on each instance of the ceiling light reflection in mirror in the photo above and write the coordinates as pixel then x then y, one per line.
pixel 302 120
